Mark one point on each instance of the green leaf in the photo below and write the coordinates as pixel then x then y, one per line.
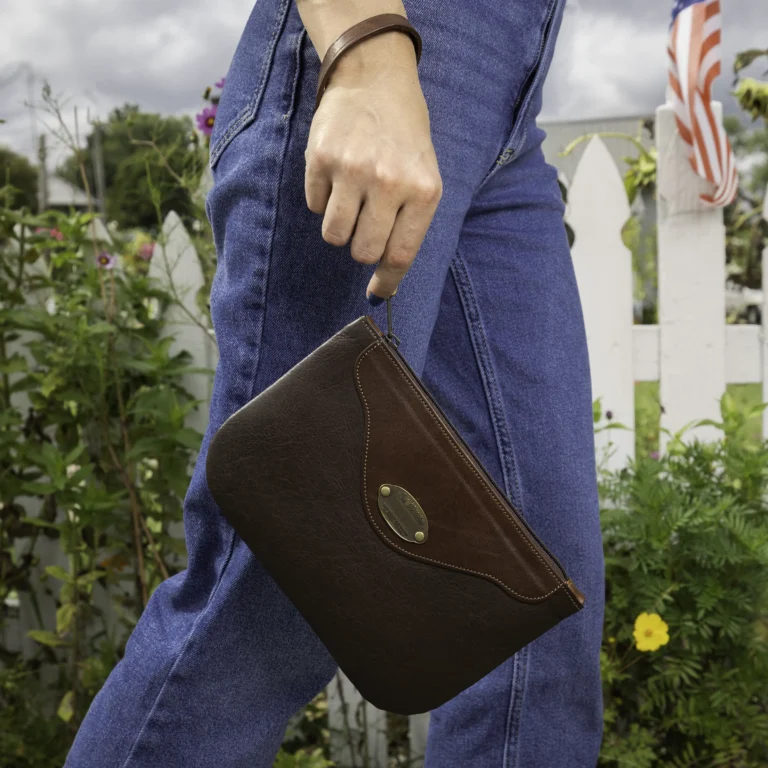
pixel 39 489
pixel 58 573
pixel 630 185
pixel 146 446
pixel 51 382
pixel 189 438
pixel 74 455
pixel 14 364
pixel 100 328
pixel 40 523
pixel 727 406
pixel 64 617
pixel 45 638
pixel 90 577
pixel 65 711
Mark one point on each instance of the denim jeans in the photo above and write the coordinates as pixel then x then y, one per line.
pixel 489 316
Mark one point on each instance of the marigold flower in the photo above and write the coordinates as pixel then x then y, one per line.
pixel 651 632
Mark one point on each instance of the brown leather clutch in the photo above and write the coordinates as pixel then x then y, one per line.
pixel 358 496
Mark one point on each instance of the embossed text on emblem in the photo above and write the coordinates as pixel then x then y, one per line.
pixel 402 513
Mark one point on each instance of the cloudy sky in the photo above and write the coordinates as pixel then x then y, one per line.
pixel 161 54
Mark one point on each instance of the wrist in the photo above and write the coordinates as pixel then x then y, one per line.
pixel 326 20
pixel 390 52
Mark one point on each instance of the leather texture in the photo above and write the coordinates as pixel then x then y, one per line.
pixel 364 29
pixel 296 472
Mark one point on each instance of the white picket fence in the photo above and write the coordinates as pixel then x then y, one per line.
pixel 692 352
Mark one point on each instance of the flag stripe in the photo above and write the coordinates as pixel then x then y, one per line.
pixel 693 62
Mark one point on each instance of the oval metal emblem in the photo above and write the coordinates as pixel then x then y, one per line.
pixel 403 513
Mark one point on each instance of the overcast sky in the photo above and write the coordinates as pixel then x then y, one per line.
pixel 161 54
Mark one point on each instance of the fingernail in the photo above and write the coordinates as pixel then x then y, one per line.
pixel 373 299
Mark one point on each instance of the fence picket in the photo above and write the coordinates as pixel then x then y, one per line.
pixel 691 288
pixel 418 727
pixel 176 265
pixel 597 211
pixel 358 730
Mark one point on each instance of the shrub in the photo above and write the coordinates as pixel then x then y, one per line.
pixel 94 464
pixel 686 537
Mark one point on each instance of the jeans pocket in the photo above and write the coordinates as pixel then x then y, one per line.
pixel 537 71
pixel 248 73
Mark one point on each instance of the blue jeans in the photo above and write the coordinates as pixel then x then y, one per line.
pixel 489 316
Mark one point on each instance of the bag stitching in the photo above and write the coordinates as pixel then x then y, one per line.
pixel 380 344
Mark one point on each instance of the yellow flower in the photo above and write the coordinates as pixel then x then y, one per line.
pixel 650 632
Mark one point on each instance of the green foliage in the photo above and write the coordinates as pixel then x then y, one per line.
pixel 303 759
pixel 146 156
pixel 753 97
pixel 686 536
pixel 94 456
pixel 18 172
pixel 640 173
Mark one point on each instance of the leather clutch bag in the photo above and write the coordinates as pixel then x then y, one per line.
pixel 370 512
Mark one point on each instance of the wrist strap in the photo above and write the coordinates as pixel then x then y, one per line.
pixel 361 31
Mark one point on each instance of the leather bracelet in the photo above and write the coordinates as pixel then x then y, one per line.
pixel 361 31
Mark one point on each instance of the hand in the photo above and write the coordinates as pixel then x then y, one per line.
pixel 371 166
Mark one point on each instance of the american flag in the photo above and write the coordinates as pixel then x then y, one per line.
pixel 694 62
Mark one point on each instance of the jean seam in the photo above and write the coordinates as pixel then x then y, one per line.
pixel 181 652
pixel 520 121
pixel 504 445
pixel 264 284
pixel 482 354
pixel 251 108
pixel 514 710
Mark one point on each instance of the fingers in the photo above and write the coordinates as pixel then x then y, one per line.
pixel 381 206
pixel 341 213
pixel 374 226
pixel 408 232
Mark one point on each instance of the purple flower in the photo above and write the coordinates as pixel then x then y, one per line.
pixel 609 415
pixel 146 250
pixel 654 455
pixel 205 119
pixel 105 260
pixel 221 82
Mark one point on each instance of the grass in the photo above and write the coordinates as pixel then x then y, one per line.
pixel 648 412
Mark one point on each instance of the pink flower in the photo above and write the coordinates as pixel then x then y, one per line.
pixel 146 250
pixel 206 118
pixel 54 233
pixel 221 82
pixel 105 260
